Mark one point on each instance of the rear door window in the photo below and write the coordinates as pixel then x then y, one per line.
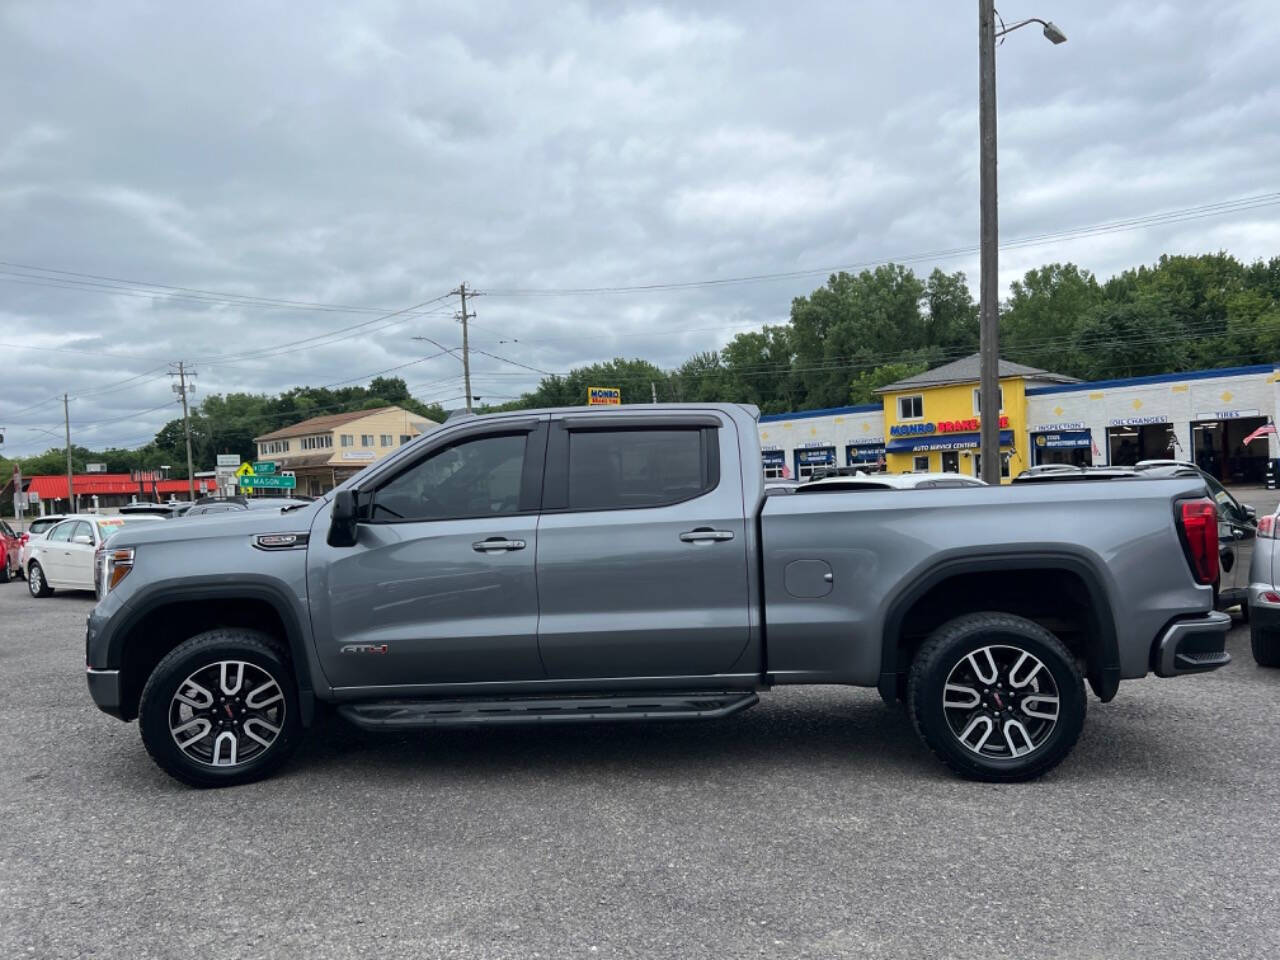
pixel 625 469
pixel 62 532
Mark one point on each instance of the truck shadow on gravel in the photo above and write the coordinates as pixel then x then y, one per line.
pixel 820 730
pixel 838 727
pixel 813 732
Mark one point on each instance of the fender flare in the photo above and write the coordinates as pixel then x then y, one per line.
pixel 155 596
pixel 1104 646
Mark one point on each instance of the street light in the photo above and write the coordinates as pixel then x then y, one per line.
pixel 1052 32
pixel 989 311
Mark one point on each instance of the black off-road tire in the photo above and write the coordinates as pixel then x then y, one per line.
pixel 8 569
pixel 37 585
pixel 253 647
pixel 946 648
pixel 1266 646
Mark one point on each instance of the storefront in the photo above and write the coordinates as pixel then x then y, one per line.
pixel 1070 443
pixel 1198 415
pixel 1133 439
pixel 868 455
pixel 1217 438
pixel 815 459
pixel 934 419
pixel 933 452
pixel 930 422
pixel 775 462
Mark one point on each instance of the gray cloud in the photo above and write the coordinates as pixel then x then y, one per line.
pixel 376 155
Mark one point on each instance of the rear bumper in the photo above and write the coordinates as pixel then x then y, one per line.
pixel 1263 614
pixel 1192 645
pixel 104 687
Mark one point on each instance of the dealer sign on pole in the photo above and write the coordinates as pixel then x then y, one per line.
pixel 604 396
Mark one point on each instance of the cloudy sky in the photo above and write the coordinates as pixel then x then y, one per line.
pixel 359 159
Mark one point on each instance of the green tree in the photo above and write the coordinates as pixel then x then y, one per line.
pixel 1045 310
pixel 637 379
pixel 866 383
pixel 854 322
pixel 1128 339
pixel 951 323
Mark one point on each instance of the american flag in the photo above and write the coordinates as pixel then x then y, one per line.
pixel 1262 431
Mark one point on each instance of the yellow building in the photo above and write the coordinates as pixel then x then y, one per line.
pixel 324 451
pixel 933 420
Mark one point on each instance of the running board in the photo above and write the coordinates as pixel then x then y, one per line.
pixel 407 714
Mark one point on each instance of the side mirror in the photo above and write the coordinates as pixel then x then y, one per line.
pixel 1250 511
pixel 84 539
pixel 343 525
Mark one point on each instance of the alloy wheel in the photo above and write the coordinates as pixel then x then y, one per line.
pixel 1000 702
pixel 227 713
pixel 35 580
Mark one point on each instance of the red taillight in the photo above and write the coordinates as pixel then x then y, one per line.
pixel 22 540
pixel 1199 520
pixel 1267 527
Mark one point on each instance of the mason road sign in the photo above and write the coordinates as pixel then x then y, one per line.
pixel 255 482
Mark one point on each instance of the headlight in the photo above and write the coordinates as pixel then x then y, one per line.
pixel 116 566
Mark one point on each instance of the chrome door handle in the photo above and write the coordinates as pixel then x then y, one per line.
pixel 705 535
pixel 496 544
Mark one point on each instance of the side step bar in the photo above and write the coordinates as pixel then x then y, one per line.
pixel 408 714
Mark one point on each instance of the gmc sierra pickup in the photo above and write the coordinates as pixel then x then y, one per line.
pixel 581 565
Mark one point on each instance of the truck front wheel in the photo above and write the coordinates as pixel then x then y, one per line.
pixel 221 709
pixel 996 697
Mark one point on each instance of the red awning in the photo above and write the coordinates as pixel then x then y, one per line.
pixel 54 487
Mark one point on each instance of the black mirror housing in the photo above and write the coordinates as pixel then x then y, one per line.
pixel 343 522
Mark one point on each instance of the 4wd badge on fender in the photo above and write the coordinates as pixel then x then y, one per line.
pixel 363 648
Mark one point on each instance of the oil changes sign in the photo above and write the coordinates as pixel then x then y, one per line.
pixel 604 396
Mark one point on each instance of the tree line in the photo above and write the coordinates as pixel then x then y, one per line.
pixel 859 332
pixel 850 336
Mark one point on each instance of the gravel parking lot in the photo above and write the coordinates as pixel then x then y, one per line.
pixel 813 825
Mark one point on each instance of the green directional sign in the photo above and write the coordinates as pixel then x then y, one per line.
pixel 264 466
pixel 252 481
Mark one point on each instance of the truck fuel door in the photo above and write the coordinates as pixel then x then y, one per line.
pixel 808 579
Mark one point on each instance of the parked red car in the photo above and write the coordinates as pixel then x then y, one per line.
pixel 9 561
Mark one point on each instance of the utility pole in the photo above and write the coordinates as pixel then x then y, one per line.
pixel 72 502
pixel 466 350
pixel 989 293
pixel 182 389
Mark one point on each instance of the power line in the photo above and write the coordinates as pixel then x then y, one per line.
pixel 86 278
pixel 1110 226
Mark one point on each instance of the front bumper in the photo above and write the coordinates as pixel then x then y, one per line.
pixel 1192 645
pixel 104 687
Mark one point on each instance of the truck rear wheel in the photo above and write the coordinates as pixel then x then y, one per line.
pixel 996 697
pixel 221 709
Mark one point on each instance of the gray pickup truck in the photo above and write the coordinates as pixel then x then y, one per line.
pixel 568 565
